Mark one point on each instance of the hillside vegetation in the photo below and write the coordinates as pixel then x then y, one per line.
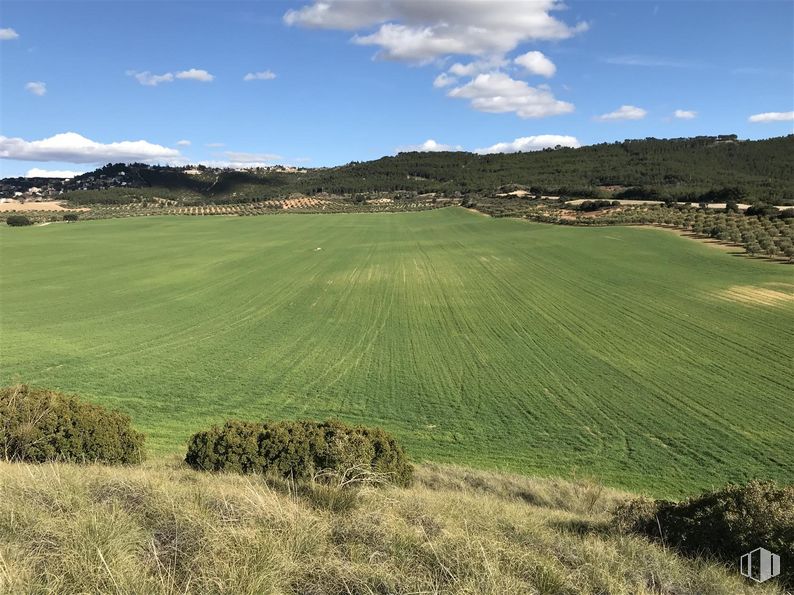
pixel 650 361
pixel 164 529
pixel 711 169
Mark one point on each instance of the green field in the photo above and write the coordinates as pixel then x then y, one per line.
pixel 633 355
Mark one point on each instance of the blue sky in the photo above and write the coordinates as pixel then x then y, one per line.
pixel 358 80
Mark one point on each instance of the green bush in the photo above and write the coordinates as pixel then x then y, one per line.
pixel 725 523
pixel 71 217
pixel 38 425
pixel 18 221
pixel 301 449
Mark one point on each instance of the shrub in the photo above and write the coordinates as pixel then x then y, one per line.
pixel 594 205
pixel 725 523
pixel 18 221
pixel 71 217
pixel 301 449
pixel 38 425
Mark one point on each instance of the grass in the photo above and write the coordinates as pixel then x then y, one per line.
pixel 163 529
pixel 631 355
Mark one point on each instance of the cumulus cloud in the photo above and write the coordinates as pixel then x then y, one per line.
pixel 149 79
pixel 772 117
pixel 51 173
pixel 71 147
pixel 37 88
pixel 225 164
pixel 422 31
pixel 536 63
pixel 8 34
pixel 497 92
pixel 477 67
pixel 195 74
pixel 683 114
pixel 429 146
pixel 152 80
pixel 253 158
pixel 531 143
pixel 343 15
pixel 444 80
pixel 624 112
pixel 183 143
pixel 265 75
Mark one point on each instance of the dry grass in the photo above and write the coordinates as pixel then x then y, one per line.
pixel 162 528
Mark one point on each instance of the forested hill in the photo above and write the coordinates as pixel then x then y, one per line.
pixel 679 167
pixel 710 169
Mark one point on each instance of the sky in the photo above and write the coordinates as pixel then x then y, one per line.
pixel 320 83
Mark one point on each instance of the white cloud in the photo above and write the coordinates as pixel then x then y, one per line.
pixel 183 143
pixel 444 80
pixel 348 16
pixel 195 74
pixel 248 163
pixel 265 75
pixel 477 67
pixel 772 117
pixel 152 80
pixel 412 44
pixel 8 34
pixel 683 114
pixel 214 145
pixel 149 79
pixel 51 173
pixel 536 63
pixel 37 88
pixel 429 146
pixel 422 31
pixel 624 112
pixel 258 158
pixel 470 69
pixel 71 147
pixel 531 143
pixel 496 92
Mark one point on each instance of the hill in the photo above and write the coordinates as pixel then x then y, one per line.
pixel 165 529
pixel 683 168
pixel 700 169
pixel 648 360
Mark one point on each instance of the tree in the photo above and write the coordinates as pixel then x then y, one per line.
pixel 71 217
pixel 787 248
pixel 761 209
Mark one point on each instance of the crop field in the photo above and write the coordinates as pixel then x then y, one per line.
pixel 632 355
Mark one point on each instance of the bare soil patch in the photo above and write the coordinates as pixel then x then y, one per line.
pixel 49 205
